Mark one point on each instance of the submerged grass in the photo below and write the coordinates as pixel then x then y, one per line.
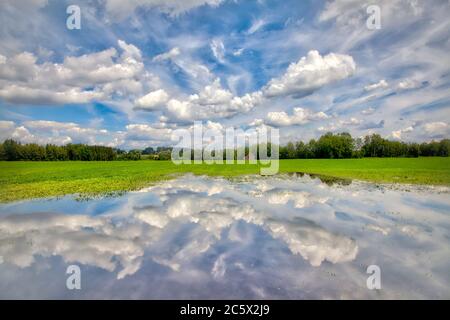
pixel 27 180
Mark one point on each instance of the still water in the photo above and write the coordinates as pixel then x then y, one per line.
pixel 289 236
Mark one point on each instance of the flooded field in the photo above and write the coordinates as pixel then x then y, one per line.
pixel 289 236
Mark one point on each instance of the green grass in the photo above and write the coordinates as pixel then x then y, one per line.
pixel 26 180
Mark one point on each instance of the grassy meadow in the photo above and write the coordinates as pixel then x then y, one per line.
pixel 25 180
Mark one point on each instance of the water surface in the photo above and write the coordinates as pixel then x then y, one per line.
pixel 290 236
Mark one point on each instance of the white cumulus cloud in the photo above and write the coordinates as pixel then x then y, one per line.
pixel 78 79
pixel 153 100
pixel 311 73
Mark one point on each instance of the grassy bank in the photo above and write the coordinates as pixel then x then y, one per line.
pixel 25 180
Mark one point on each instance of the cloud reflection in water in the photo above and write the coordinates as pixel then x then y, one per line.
pixel 255 237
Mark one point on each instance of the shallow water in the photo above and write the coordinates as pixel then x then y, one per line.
pixel 287 237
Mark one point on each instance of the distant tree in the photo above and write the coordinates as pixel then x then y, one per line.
pixel 32 152
pixel 413 150
pixel 52 152
pixel 2 153
pixel 11 150
pixel 134 155
pixel 312 149
pixel 130 155
pixel 284 152
pixel 334 146
pixel 301 151
pixel 430 149
pixel 165 155
pixel 444 148
pixel 290 149
pixel 357 151
pixel 373 146
pixel 148 150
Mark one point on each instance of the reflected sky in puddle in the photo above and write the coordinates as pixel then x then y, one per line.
pixel 287 237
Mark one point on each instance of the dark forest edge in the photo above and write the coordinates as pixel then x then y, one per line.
pixel 328 146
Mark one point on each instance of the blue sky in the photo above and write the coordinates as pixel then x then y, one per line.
pixel 138 70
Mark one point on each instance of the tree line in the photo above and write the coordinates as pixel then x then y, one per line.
pixel 11 150
pixel 328 146
pixel 342 145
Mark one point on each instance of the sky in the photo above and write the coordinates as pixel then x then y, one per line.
pixel 136 71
